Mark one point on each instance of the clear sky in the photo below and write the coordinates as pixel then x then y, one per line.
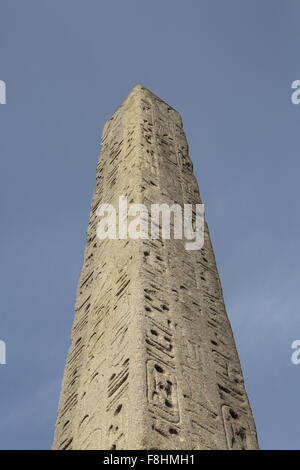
pixel 227 67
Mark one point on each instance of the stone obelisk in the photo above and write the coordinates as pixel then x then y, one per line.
pixel 152 362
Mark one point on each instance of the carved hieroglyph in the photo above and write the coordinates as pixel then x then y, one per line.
pixel 152 362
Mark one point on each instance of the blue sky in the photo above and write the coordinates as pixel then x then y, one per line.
pixel 227 67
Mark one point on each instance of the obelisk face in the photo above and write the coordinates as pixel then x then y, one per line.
pixel 152 362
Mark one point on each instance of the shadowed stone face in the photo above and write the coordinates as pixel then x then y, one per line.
pixel 152 362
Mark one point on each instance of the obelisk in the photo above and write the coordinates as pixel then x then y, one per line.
pixel 152 362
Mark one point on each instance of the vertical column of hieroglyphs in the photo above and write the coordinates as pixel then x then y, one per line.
pixel 178 389
pixel 195 388
pixel 165 429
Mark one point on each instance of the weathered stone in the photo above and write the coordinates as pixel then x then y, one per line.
pixel 152 362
